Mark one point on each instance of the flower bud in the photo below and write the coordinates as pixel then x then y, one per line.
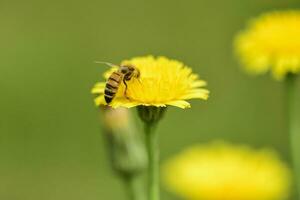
pixel 125 148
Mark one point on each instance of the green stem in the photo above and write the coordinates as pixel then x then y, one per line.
pixel 153 156
pixel 134 187
pixel 293 117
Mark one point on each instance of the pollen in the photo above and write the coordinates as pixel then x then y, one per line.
pixel 162 82
pixel 271 43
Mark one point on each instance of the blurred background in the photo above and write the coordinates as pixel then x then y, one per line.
pixel 51 145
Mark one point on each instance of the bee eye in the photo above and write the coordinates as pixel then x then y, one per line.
pixel 124 70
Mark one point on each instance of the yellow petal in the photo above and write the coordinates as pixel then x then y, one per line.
pixel 100 100
pixel 196 93
pixel 179 103
pixel 198 83
pixel 98 88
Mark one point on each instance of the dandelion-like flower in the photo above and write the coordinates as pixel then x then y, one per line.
pixel 271 43
pixel 224 172
pixel 162 82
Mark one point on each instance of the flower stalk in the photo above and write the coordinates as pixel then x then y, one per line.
pixel 134 188
pixel 293 117
pixel 150 116
pixel 153 156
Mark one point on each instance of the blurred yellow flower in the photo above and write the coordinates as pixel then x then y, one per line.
pixel 162 82
pixel 221 171
pixel 271 42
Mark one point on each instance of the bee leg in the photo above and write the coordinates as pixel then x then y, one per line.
pixel 139 81
pixel 125 89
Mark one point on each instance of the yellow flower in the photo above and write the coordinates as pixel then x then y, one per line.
pixel 162 82
pixel 224 172
pixel 271 43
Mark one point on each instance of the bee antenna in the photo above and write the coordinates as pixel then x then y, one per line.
pixel 106 63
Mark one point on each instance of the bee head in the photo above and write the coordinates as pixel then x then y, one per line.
pixel 124 69
pixel 129 71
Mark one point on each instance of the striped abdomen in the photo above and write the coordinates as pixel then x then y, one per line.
pixel 112 86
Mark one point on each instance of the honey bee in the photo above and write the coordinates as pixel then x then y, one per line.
pixel 123 74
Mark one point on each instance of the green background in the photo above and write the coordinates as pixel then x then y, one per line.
pixel 51 146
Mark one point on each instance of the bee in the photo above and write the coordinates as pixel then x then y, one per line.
pixel 123 74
